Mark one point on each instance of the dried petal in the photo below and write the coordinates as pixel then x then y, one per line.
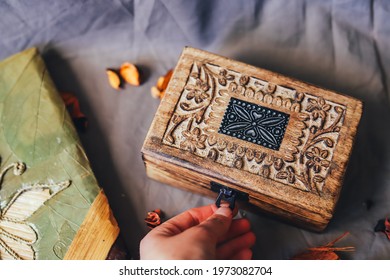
pixel 160 82
pixel 316 255
pixel 113 79
pixel 383 225
pixel 153 218
pixel 326 252
pixel 163 81
pixel 129 72
pixel 156 93
pixel 73 106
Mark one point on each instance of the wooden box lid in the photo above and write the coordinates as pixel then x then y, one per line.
pixel 284 142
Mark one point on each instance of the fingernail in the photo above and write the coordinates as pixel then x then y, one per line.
pixel 224 211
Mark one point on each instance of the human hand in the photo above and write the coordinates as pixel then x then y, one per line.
pixel 206 232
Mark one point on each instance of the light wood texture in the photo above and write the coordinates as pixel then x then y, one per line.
pixel 299 181
pixel 97 233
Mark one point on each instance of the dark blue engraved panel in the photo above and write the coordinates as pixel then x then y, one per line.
pixel 254 123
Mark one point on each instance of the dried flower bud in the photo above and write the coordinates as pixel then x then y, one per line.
pixel 153 218
pixel 156 93
pixel 129 72
pixel 162 84
pixel 113 79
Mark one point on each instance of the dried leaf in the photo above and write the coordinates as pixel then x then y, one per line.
pixel 129 72
pixel 326 252
pixel 383 225
pixel 73 106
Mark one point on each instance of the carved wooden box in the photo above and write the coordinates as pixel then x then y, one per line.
pixel 283 143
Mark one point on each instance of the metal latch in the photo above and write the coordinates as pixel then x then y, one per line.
pixel 227 194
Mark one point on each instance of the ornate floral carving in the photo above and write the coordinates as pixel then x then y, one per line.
pixel 223 77
pixel 306 157
pixel 317 159
pixel 318 107
pixel 193 140
pixel 198 92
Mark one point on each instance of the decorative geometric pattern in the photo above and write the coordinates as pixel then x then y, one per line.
pixel 254 123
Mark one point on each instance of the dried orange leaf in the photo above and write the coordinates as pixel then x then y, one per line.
pixel 383 225
pixel 315 255
pixel 113 79
pixel 73 106
pixel 129 72
pixel 326 252
pixel 387 230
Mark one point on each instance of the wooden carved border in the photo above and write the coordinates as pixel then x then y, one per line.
pixel 304 159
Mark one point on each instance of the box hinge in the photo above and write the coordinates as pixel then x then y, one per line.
pixel 227 194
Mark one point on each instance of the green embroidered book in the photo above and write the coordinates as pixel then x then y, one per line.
pixel 50 201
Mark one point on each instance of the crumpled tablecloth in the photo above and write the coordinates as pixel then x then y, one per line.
pixel 342 45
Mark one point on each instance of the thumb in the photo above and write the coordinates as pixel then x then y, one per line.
pixel 217 224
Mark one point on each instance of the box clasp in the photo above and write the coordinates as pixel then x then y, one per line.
pixel 227 194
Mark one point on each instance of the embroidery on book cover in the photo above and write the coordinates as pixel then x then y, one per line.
pixel 17 235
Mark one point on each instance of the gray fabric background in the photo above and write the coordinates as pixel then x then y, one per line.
pixel 343 45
